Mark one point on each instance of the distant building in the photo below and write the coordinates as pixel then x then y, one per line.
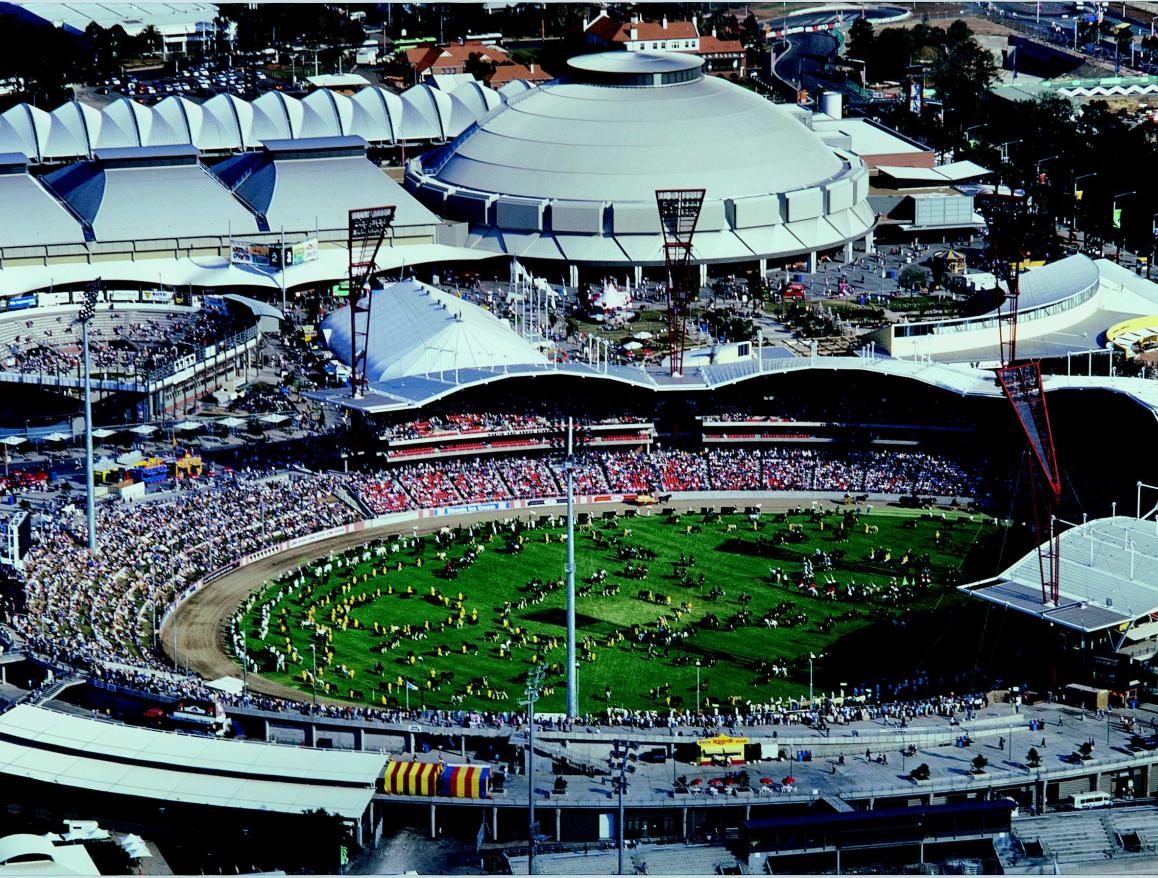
pixel 430 60
pixel 639 35
pixel 723 56
pixel 183 26
pixel 343 83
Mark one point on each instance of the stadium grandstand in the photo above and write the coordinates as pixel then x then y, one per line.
pixel 234 453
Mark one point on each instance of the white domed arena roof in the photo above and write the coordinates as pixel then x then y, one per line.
pixel 583 157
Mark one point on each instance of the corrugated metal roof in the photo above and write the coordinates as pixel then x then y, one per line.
pixel 72 751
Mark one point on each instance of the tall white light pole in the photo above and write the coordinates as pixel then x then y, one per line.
pixel 572 674
pixel 87 311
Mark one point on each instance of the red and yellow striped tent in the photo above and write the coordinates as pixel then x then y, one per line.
pixel 466 781
pixel 410 778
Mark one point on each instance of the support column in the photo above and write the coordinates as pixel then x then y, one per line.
pixel 869 245
pixel 462 747
pixel 558 824
pixel 703 274
pixel 684 824
pixel 638 275
pixel 848 251
pixel 763 266
pixel 494 823
pixel 812 262
pixel 410 742
pixel 433 821
pixel 573 275
pixel 359 738
pixel 265 730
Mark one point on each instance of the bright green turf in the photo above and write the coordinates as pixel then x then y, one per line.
pixel 628 671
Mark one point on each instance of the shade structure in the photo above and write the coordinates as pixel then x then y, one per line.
pixel 103 433
pixel 13 440
pixel 410 778
pixel 274 418
pixel 466 781
pixel 231 422
pixel 57 437
pixel 144 430
pixel 416 329
pixel 187 425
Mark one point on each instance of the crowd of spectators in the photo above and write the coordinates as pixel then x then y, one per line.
pixel 455 481
pixel 82 609
pixel 101 614
pixel 120 342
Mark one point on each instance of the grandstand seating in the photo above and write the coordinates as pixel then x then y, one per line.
pixel 1142 822
pixel 1071 838
pixel 644 859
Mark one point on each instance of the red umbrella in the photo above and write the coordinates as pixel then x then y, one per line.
pixel 697 781
pixel 716 782
pixel 789 781
pixel 766 780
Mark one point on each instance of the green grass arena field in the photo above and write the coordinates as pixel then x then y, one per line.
pixel 403 615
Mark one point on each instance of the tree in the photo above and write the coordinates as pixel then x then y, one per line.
pixel 479 67
pixel 913 277
pixel 860 39
pixel 962 75
pixel 1033 758
pixel 979 763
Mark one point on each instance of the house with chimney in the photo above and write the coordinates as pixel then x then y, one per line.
pixel 639 35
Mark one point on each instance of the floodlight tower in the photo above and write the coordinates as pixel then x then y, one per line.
pixel 1010 219
pixel 572 672
pixel 366 231
pixel 679 211
pixel 87 312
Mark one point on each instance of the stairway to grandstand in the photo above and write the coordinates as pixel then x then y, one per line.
pixel 668 859
pixel 1072 838
pixel 1136 828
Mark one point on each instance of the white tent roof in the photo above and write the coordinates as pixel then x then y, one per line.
pixel 416 329
pixel 33 215
pixel 214 271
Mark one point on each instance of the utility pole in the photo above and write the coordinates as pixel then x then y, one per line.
pixel 534 686
pixel 572 672
pixel 87 312
pixel 623 754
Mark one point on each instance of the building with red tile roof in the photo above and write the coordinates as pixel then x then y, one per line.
pixel 638 35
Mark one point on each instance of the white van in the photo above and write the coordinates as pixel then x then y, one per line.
pixel 1085 801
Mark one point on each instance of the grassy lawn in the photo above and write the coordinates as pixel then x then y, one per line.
pixel 622 635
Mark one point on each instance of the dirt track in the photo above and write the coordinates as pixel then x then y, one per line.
pixel 200 620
